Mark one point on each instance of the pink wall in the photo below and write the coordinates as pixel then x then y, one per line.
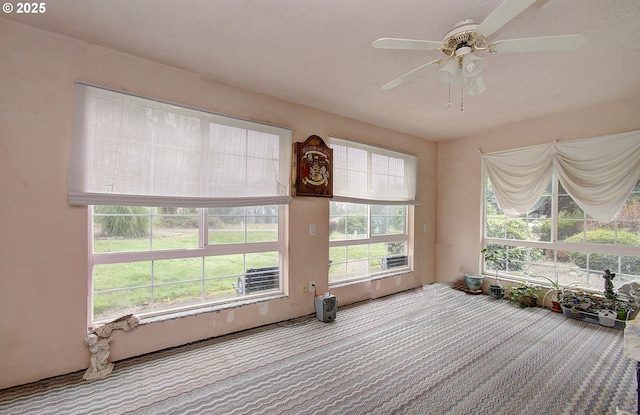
pixel 43 262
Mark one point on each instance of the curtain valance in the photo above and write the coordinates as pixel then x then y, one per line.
pixel 597 172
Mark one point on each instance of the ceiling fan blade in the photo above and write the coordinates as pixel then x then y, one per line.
pixel 406 44
pixel 539 44
pixel 502 15
pixel 409 76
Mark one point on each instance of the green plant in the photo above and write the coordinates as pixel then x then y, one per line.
pixel 605 261
pixel 525 294
pixel 556 288
pixel 490 254
pixel 591 301
pixel 123 221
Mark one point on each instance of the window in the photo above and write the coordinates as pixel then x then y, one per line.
pixel 374 189
pixel 186 205
pixel 152 260
pixel 558 237
pixel 365 240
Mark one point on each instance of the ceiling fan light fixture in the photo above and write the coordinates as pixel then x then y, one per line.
pixel 472 65
pixel 449 72
pixel 475 85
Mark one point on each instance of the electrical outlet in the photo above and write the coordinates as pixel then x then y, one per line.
pixel 303 287
pixel 312 286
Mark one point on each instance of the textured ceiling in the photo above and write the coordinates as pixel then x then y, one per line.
pixel 318 53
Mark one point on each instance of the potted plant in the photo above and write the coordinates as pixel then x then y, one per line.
pixel 490 255
pixel 555 304
pixel 525 294
pixel 597 306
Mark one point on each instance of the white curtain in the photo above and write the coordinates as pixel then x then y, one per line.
pixel 367 174
pixel 129 150
pixel 598 173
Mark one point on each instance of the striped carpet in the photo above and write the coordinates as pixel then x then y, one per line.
pixel 425 351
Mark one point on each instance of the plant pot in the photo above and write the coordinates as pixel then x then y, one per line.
pixel 555 307
pixel 496 291
pixel 607 317
pixel 622 315
pixel 576 313
pixel 529 300
pixel 473 281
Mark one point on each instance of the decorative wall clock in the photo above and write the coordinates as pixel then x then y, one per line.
pixel 313 168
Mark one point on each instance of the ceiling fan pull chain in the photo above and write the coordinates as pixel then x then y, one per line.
pixel 462 94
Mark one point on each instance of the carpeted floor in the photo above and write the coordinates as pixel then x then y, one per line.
pixel 425 351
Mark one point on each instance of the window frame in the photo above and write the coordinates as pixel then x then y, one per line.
pixel 554 245
pixel 204 250
pixel 371 239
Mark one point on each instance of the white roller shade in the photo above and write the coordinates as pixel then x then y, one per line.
pixel 129 150
pixel 373 175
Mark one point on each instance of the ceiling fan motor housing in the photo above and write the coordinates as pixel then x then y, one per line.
pixel 462 35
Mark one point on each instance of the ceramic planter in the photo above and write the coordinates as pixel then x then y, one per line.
pixel 473 281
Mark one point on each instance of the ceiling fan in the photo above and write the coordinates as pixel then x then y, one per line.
pixel 461 64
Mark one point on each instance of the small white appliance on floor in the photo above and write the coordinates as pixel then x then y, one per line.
pixel 326 307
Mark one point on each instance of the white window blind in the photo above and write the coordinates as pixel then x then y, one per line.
pixel 372 175
pixel 129 150
pixel 597 172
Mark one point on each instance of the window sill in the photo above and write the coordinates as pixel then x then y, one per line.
pixel 213 308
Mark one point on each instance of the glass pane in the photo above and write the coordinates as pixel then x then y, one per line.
pixel 226 225
pixel 110 305
pixel 628 233
pixel 121 229
pixel 600 262
pixel 220 288
pixel 517 229
pixel 379 225
pixel 262 229
pixel 262 259
pixel 571 230
pixel 121 289
pixel 243 224
pixel 337 254
pixel 177 294
pixel 173 270
pixel 396 248
pixel 378 251
pixel 224 265
pixel 630 265
pixel 348 221
pixel 124 275
pixel 175 228
pixel 542 264
pixel 357 252
pixel 496 227
pixel 357 269
pixel 337 272
pixel 540 230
